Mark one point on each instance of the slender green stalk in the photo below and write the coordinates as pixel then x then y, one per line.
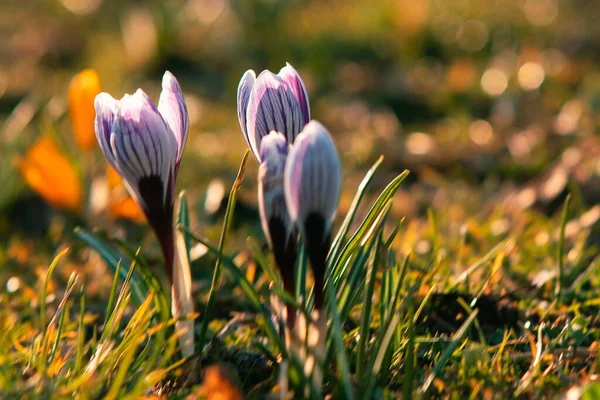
pixel 219 264
pixel 560 259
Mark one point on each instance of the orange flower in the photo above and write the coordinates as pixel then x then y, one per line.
pixel 82 91
pixel 49 173
pixel 121 205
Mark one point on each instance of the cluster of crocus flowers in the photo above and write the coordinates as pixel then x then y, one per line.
pixel 144 144
pixel 299 178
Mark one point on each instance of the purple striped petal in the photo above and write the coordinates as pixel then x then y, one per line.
pixel 272 106
pixel 173 109
pixel 106 107
pixel 271 198
pixel 142 143
pixel 292 79
pixel 243 96
pixel 312 178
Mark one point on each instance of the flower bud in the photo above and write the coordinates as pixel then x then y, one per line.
pixel 272 103
pixel 145 144
pixel 312 184
pixel 275 220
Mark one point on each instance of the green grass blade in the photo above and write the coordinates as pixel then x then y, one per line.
pixel 365 326
pixel 80 333
pixel 457 338
pixel 300 273
pixel 381 350
pixel 390 239
pixel 61 312
pixel 338 340
pixel 113 293
pixel 560 253
pixel 112 257
pixel 365 225
pixel 44 293
pixel 246 287
pixel 219 264
pixel 336 245
pixel 183 217
pixel 480 263
pixel 409 365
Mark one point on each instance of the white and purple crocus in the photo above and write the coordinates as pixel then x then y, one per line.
pixel 144 143
pixel 299 178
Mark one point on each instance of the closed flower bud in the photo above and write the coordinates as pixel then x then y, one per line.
pixel 145 144
pixel 276 223
pixel 272 102
pixel 312 184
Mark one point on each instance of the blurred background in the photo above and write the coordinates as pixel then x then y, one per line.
pixel 490 103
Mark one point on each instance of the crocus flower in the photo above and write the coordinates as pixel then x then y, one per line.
pixel 272 110
pixel 144 143
pixel 272 102
pixel 275 220
pixel 83 89
pixel 312 183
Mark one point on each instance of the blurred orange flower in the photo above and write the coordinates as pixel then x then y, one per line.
pixel 82 91
pixel 121 205
pixel 48 172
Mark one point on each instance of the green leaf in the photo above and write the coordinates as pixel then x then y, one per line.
pixel 112 258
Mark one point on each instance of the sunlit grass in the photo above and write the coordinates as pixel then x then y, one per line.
pixel 476 277
pixel 429 323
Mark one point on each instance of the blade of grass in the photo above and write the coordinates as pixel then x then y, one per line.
pixel 338 340
pixel 352 288
pixel 409 364
pixel 469 310
pixel 480 263
pixel 149 280
pixel 80 332
pixel 381 349
pixel 120 305
pixel 390 239
pixel 345 227
pixel 183 217
pixel 60 313
pixel 365 225
pixel 219 264
pixel 365 331
pixel 44 293
pixel 244 284
pixel 560 253
pixel 111 257
pixel 585 276
pixel 113 293
pixel 457 338
pixel 300 274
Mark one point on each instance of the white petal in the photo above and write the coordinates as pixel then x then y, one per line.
pixel 312 177
pixel 173 109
